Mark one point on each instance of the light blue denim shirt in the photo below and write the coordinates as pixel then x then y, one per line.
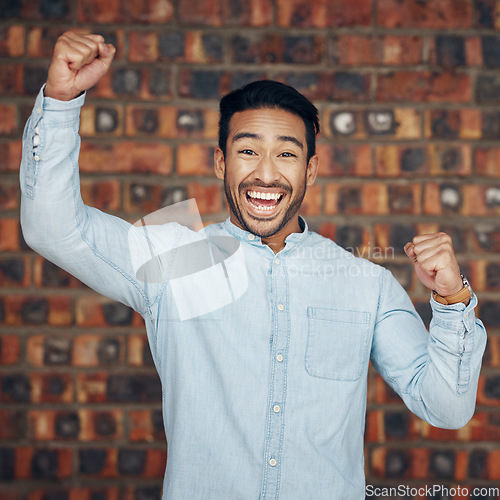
pixel 263 358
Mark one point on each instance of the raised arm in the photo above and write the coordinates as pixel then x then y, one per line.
pixel 93 246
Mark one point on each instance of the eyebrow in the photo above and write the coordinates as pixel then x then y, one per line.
pixel 281 138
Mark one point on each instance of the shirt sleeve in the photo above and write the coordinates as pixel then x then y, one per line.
pixel 435 373
pixel 97 248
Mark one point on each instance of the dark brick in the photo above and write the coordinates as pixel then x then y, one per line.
pixel 413 159
pixel 402 272
pixel 54 276
pixel 56 385
pixel 478 463
pixel 67 425
pixel 396 424
pixel 493 276
pixel 10 9
pixel 399 236
pixel 106 120
pixel 13 270
pixel 488 89
pixel 492 197
pixel 380 122
pixel 117 314
pixel 108 351
pixel 57 351
pixel 343 156
pixel 490 125
pixel 445 124
pixel 6 463
pixel 54 9
pixel 147 358
pixel 350 86
pixel 148 492
pixel 349 199
pixel 35 311
pixel 239 78
pixel 34 78
pixel 92 460
pixel 16 387
pixel 104 424
pixel 484 13
pixel 442 464
pixel 56 495
pixel 450 50
pixel 157 418
pixel 401 199
pixel 98 495
pixel 300 50
pixel 491 51
pixel 451 159
pixel 133 388
pixel 159 82
pixel 146 120
pixel 244 50
pixel 213 46
pixel 190 120
pixel 425 312
pixel 172 45
pixel 131 461
pixel 126 81
pixel 457 235
pixel 349 237
pixel 396 463
pixel 451 198
pixel 44 464
pixel 490 313
pixel 492 387
pixel 201 84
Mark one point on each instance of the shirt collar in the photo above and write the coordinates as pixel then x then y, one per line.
pixel 292 239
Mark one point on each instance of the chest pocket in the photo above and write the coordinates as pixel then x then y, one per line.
pixel 337 343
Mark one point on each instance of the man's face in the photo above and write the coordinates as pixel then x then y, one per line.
pixel 265 170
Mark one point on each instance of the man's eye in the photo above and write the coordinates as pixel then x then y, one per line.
pixel 287 154
pixel 247 152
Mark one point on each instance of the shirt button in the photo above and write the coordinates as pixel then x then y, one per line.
pixel 281 307
pixel 276 408
pixel 251 237
pixel 279 358
pixel 36 140
pixel 36 158
pixel 38 110
pixel 272 462
pixel 276 261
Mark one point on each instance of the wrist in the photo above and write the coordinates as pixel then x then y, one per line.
pixel 463 295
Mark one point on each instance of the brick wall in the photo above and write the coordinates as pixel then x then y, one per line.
pixel 409 94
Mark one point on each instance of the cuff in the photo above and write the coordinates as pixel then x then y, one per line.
pixel 454 316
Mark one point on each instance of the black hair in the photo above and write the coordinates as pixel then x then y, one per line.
pixel 272 95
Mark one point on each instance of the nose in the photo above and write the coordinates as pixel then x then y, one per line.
pixel 267 171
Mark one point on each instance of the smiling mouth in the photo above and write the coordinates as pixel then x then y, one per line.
pixel 264 201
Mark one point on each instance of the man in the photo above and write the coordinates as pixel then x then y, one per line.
pixel 264 396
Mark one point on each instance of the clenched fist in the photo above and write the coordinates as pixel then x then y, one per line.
pixel 79 61
pixel 435 263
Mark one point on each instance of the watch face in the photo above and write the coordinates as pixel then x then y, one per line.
pixel 466 283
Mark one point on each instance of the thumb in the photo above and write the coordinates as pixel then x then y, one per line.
pixel 106 53
pixel 409 249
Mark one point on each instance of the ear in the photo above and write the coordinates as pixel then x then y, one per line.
pixel 219 163
pixel 312 170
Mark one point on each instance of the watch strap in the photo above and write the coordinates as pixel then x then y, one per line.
pixel 460 296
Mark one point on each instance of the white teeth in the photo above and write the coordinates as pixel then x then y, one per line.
pixel 264 196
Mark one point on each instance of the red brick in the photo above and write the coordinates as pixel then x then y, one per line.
pixel 104 195
pixel 10 156
pixel 204 13
pixel 110 493
pixel 356 50
pixel 153 11
pixel 100 311
pixel 450 159
pixel 143 46
pixel 137 345
pixel 8 119
pixel 424 86
pixel 405 199
pixel 53 310
pixel 453 123
pixel 25 456
pixel 299 13
pixel 15 271
pixel 344 160
pixel 144 428
pixel 12 41
pixel 91 387
pixel 312 201
pixel 51 387
pixel 369 198
pixel 101 121
pixel 10 349
pixel 401 161
pixel 194 159
pixel 208 197
pixel 486 161
pixel 126 157
pixel 46 274
pixel 87 350
pixel 41 40
pixel 10 426
pixel 415 14
pixel 96 11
